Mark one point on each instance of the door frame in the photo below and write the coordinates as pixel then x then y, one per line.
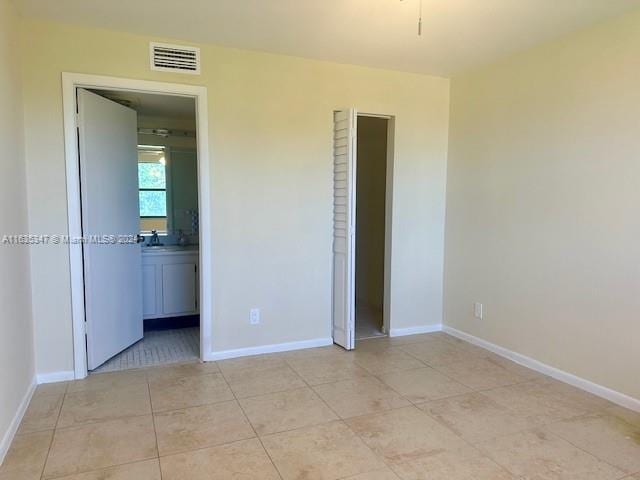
pixel 388 221
pixel 72 81
pixel 388 216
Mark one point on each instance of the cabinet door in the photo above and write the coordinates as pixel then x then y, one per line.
pixel 149 290
pixel 179 288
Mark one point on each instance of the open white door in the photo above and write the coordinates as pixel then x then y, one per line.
pixel 344 222
pixel 107 134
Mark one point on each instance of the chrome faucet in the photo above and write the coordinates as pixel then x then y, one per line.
pixel 154 241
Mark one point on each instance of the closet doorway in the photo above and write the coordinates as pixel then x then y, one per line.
pixel 363 167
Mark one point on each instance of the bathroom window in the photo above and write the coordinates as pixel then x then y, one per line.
pixel 152 186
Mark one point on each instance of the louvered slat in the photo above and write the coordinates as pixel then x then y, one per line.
pixel 343 227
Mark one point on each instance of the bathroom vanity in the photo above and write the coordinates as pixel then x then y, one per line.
pixel 170 281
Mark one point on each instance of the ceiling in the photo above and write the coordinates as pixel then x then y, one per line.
pixel 153 105
pixel 457 34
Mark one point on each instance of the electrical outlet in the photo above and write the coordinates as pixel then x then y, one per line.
pixel 478 310
pixel 254 316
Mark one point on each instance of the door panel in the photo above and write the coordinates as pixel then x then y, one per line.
pixel 344 175
pixel 107 133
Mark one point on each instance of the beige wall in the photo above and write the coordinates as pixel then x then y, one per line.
pixel 271 181
pixel 542 204
pixel 16 337
pixel 370 210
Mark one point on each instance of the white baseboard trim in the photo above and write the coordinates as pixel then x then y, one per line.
pixel 277 347
pixel 566 377
pixel 401 332
pixel 7 438
pixel 53 377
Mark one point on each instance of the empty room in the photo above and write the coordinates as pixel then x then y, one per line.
pixel 366 240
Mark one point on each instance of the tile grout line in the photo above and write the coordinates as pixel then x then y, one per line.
pixel 479 391
pixel 53 432
pixel 543 426
pixel 579 447
pixel 244 413
pixel 341 420
pixel 312 389
pixel 153 422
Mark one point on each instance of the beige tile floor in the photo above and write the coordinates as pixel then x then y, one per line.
pixel 427 407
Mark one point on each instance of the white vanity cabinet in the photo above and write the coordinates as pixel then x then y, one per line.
pixel 169 282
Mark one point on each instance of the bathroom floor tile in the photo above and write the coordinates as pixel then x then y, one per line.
pixel 91 406
pixel 277 412
pixel 100 445
pixel 189 392
pixel 423 384
pixel 244 460
pixel 26 457
pixel 359 396
pixel 404 434
pixel 328 451
pixel 199 427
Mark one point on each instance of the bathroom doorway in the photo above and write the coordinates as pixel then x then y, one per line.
pixel 167 211
pixel 139 167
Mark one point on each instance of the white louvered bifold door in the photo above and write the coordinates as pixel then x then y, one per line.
pixel 344 222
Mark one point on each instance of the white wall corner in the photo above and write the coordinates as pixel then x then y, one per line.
pixel 274 348
pixel 8 436
pixel 566 377
pixel 401 332
pixel 54 377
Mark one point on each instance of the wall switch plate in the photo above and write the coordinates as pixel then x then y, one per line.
pixel 478 310
pixel 254 316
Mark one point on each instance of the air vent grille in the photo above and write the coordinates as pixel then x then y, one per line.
pixel 175 58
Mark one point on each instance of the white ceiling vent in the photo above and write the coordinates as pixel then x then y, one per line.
pixel 175 58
